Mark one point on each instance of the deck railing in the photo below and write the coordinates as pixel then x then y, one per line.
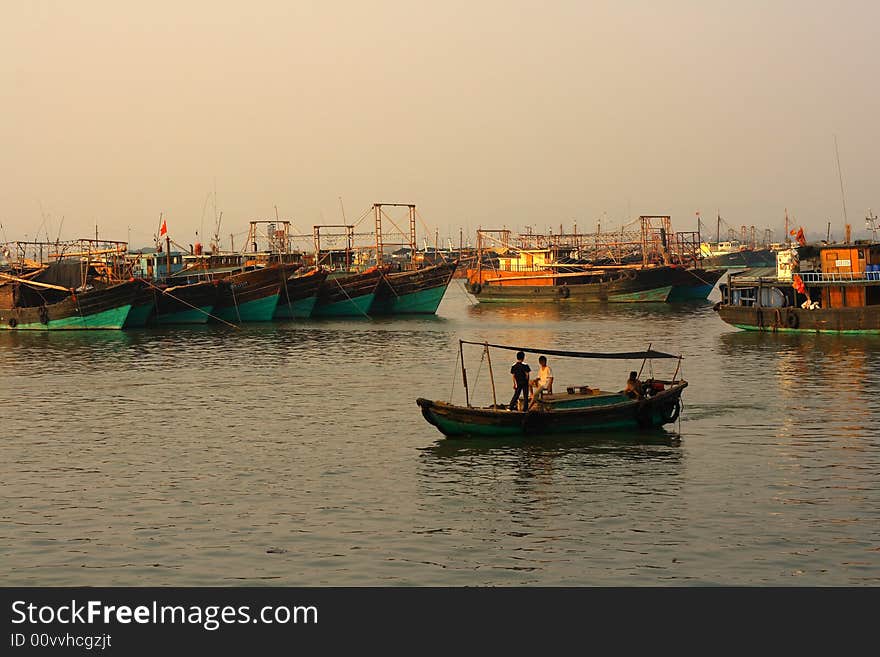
pixel 829 277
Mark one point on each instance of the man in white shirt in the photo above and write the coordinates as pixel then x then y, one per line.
pixel 544 382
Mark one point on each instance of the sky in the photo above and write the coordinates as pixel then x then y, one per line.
pixel 496 114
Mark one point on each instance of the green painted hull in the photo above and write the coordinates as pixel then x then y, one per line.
pixel 355 307
pixel 658 294
pixel 608 412
pixel 258 310
pixel 191 316
pixel 138 315
pixel 301 309
pixel 689 293
pixel 113 319
pixel 749 327
pixel 423 302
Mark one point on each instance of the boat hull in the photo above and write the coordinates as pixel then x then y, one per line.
pixel 186 304
pixel 859 319
pixel 741 259
pixel 347 296
pixel 694 284
pixel 141 310
pixel 416 292
pixel 619 413
pixel 250 296
pixel 299 295
pixel 106 308
pixel 642 285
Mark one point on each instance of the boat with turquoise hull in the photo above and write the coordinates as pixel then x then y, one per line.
pixel 299 295
pixel 245 293
pixel 417 292
pixel 27 306
pixel 349 295
pixel 142 308
pixel 579 409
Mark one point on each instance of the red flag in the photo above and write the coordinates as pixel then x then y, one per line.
pixel 798 284
pixel 800 237
pixel 164 229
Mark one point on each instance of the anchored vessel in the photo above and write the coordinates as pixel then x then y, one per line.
pixel 653 265
pixel 36 301
pixel 416 292
pixel 578 409
pixel 827 288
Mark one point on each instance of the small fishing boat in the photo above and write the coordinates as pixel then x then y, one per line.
pixel 578 409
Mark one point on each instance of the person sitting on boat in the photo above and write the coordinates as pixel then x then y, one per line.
pixel 520 373
pixel 543 382
pixel 633 388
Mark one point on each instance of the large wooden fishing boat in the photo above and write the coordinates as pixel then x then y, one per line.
pixel 579 409
pixel 246 293
pixel 654 265
pixel 348 295
pixel 827 288
pixel 589 284
pixel 299 294
pixel 413 292
pixel 32 302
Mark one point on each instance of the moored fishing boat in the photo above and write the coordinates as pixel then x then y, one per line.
pixel 245 292
pixel 579 409
pixel 190 303
pixel 827 288
pixel 347 295
pixel 413 292
pixel 299 294
pixel 585 284
pixel 27 304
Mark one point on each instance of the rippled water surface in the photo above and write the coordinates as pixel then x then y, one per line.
pixel 295 454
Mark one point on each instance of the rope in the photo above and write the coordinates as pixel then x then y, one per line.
pixel 465 292
pixel 186 303
pixel 336 280
pixel 454 375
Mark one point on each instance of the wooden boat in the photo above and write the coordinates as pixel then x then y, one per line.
pixel 30 304
pixel 692 283
pixel 348 295
pixel 300 294
pixel 413 292
pixel 828 288
pixel 587 284
pixel 246 293
pixel 579 409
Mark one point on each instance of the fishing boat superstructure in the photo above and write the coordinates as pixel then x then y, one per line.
pixel 825 288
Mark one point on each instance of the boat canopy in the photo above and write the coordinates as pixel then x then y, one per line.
pixel 623 355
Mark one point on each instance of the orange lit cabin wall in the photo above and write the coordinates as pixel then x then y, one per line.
pixel 843 260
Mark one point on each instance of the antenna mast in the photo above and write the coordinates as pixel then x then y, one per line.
pixel 840 177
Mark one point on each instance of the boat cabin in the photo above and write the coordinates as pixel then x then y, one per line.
pixel 833 276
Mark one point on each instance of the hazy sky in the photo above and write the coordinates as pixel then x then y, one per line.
pixel 481 113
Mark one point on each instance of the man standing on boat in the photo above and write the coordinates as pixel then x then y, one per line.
pixel 520 373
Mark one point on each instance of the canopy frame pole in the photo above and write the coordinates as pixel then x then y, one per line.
pixel 644 360
pixel 467 400
pixel 677 368
pixel 491 376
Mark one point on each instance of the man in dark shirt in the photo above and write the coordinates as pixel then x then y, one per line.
pixel 520 372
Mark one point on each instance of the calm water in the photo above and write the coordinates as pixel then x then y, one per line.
pixel 295 454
